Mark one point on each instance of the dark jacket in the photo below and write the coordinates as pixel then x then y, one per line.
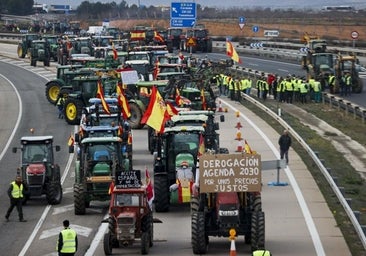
pixel 285 142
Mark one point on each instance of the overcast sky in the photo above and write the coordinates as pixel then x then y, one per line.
pixel 358 4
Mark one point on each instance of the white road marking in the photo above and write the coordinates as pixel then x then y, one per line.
pixel 80 230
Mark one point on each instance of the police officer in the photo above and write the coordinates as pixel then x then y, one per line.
pixel 15 193
pixel 67 243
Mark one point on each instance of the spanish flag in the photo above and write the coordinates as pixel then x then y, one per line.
pixel 178 98
pixel 172 111
pixel 201 146
pixel 122 101
pixel 247 148
pixel 203 99
pixel 158 37
pixel 71 141
pixel 156 113
pixel 115 54
pixel 111 187
pixel 231 52
pixel 100 95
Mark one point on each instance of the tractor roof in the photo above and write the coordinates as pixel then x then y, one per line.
pixel 187 128
pixel 193 117
pixel 33 139
pixel 101 140
pixel 197 112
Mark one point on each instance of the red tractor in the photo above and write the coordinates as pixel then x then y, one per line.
pixel 130 215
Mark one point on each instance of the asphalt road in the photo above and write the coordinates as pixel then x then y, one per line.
pixel 297 218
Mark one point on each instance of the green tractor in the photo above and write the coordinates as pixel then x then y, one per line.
pixel 25 44
pixel 79 93
pixel 98 160
pixel 39 51
pixel 65 75
pixel 40 174
pixel 53 44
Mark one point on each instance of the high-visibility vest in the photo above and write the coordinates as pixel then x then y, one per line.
pixel 261 253
pixel 331 80
pixel 317 86
pixel 69 240
pixel 289 86
pixel 17 191
pixel 348 80
pixel 303 88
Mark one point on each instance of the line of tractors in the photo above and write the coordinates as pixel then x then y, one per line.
pixel 320 64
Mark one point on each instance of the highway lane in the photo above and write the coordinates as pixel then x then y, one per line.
pixel 279 216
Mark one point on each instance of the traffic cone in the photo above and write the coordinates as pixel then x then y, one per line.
pixel 240 147
pixel 232 248
pixel 238 135
pixel 220 107
pixel 238 124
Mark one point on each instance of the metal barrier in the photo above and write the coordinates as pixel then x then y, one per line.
pixel 353 215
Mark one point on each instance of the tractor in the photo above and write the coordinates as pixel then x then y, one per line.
pixel 196 39
pixel 65 75
pixel 25 44
pixel 227 200
pixel 52 41
pixel 79 93
pixel 186 137
pixel 38 170
pixel 98 160
pixel 130 215
pixel 174 36
pixel 39 51
pixel 347 64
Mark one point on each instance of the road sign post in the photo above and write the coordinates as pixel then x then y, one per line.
pixel 354 35
pixel 241 22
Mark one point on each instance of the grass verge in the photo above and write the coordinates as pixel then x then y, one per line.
pixel 347 176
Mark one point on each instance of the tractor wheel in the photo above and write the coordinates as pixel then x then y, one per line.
pixel 112 229
pixel 195 204
pixel 33 62
pixel 145 243
pixel 257 231
pixel 54 193
pixel 72 110
pixel 199 238
pixel 52 91
pixel 161 193
pixel 21 53
pixel 79 199
pixel 46 62
pixel 256 203
pixel 357 88
pixel 107 244
pixel 136 115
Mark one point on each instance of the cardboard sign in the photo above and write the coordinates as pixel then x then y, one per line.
pixel 230 173
pixel 128 179
pixel 129 77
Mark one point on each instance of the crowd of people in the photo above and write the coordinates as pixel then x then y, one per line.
pixel 289 89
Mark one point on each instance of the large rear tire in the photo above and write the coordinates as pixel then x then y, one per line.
pixel 161 193
pixel 136 115
pixel 21 53
pixel 257 231
pixel 79 199
pixel 52 91
pixel 199 238
pixel 72 110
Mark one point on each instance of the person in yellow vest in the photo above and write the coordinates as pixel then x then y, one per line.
pixel 317 91
pixel 303 91
pixel 261 253
pixel 67 243
pixel 289 90
pixel 15 193
pixel 331 83
pixel 348 80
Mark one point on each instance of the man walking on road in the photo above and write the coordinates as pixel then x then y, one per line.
pixel 15 193
pixel 285 144
pixel 67 243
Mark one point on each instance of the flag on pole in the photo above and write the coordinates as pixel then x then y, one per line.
pixel 178 99
pixel 231 52
pixel 201 147
pixel 71 141
pixel 111 187
pixel 100 95
pixel 122 101
pixel 172 111
pixel 203 99
pixel 149 188
pixel 247 148
pixel 156 113
pixel 115 54
pixel 158 37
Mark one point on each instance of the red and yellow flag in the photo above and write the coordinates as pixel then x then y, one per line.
pixel 71 141
pixel 201 146
pixel 111 187
pixel 122 101
pixel 172 111
pixel 100 95
pixel 178 98
pixel 115 54
pixel 156 113
pixel 247 148
pixel 203 99
pixel 149 188
pixel 231 52
pixel 158 37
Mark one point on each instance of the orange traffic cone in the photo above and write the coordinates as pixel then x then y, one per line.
pixel 238 124
pixel 240 147
pixel 220 107
pixel 232 248
pixel 238 135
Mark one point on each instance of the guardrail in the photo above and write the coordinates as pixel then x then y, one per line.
pixel 353 215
